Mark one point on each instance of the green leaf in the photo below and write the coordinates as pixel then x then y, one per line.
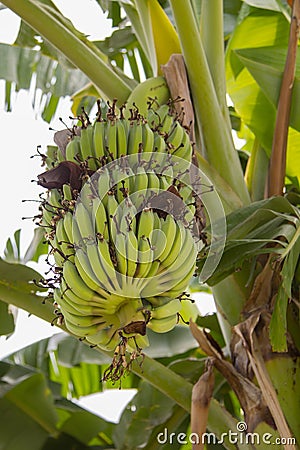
pixel 67 361
pixel 123 46
pixel 211 322
pixel 32 406
pixel 18 288
pixel 285 375
pixel 86 427
pixel 266 4
pixel 278 324
pixel 19 66
pixel 12 249
pixel 37 246
pixel 266 65
pixel 248 89
pixel 18 277
pixel 179 340
pixel 7 320
pixel 250 229
pixel 26 405
pixel 81 52
pixel 147 411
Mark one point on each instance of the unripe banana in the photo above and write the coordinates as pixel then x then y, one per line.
pixel 163 325
pixel 100 218
pixel 62 240
pixel 121 137
pixel 67 193
pixel 167 124
pixel 184 151
pixel 73 150
pixel 145 258
pixel 54 199
pixel 87 146
pixel 120 247
pixel 135 137
pixel 148 139
pixel 112 142
pixel 145 224
pixel 131 253
pixel 99 142
pixel 84 222
pixel 74 281
pixel 175 137
pixel 113 217
pixel 166 310
pixel 154 90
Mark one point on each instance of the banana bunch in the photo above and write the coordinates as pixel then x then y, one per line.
pixel 120 220
pixel 121 262
pixel 114 135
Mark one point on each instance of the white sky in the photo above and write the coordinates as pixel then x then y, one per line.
pixel 21 132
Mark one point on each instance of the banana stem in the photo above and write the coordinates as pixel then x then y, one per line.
pixel 257 171
pixel 212 35
pixel 82 54
pixel 217 138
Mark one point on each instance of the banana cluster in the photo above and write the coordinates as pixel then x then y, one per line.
pixel 123 238
pixel 113 136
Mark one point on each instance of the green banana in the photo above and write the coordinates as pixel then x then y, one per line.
pixel 145 258
pixel 175 137
pixel 163 325
pixel 147 139
pixel 169 228
pixel 75 283
pixel 73 149
pixel 135 137
pixel 145 223
pixel 122 130
pixel 166 310
pixel 84 222
pixel 99 141
pixel 67 194
pixel 185 150
pixel 87 146
pixel 120 247
pixel 112 142
pixel 113 215
pixel 131 253
pixel 154 90
pixel 100 218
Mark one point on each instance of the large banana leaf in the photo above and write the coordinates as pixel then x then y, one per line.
pixel 251 230
pixel 254 66
pixel 33 411
pixel 25 67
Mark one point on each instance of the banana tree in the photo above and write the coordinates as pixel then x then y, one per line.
pixel 246 356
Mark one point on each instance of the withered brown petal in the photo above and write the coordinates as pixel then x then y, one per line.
pixel 63 137
pixel 136 327
pixel 65 172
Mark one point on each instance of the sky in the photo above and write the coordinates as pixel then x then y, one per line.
pixel 22 131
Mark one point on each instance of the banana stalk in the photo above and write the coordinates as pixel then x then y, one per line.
pixel 218 143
